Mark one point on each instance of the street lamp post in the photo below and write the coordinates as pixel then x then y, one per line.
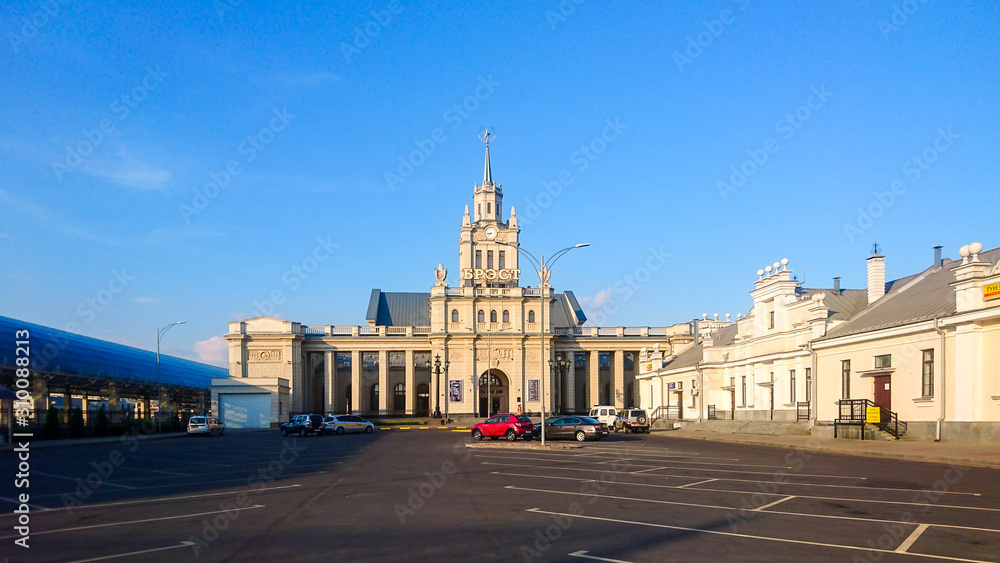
pixel 544 270
pixel 159 388
pixel 560 368
pixel 437 370
pixel 447 390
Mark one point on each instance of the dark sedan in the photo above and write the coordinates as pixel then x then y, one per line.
pixel 577 428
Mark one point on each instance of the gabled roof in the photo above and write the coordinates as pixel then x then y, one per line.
pixel 843 304
pixel 694 353
pixel 912 299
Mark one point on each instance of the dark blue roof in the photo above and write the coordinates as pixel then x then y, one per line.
pixel 399 309
pixel 64 353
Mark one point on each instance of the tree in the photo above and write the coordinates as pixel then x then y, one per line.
pixel 101 422
pixel 51 429
pixel 76 428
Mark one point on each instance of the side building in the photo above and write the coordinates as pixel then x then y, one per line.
pixel 924 348
pixel 485 344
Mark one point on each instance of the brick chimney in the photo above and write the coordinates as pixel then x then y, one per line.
pixel 876 277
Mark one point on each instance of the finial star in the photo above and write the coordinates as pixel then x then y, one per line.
pixel 487 136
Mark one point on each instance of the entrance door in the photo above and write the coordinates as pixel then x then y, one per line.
pixel 423 400
pixel 492 393
pixel 883 391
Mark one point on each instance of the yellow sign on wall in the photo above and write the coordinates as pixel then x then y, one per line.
pixel 873 415
pixel 991 291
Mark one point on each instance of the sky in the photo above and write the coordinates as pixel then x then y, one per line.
pixel 219 160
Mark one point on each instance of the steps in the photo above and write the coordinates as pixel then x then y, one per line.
pixel 762 427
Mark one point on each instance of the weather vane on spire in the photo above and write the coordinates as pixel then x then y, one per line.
pixel 487 136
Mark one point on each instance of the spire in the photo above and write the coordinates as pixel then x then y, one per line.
pixel 487 137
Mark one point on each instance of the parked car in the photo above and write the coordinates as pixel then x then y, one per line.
pixel 303 424
pixel 510 426
pixel 635 420
pixel 605 413
pixel 343 423
pixel 208 425
pixel 577 428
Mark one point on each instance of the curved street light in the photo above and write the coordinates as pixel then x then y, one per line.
pixel 159 388
pixel 544 270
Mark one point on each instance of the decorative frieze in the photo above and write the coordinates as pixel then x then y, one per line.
pixel 268 355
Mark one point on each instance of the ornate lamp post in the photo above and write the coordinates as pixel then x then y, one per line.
pixel 543 268
pixel 437 370
pixel 560 368
pixel 159 388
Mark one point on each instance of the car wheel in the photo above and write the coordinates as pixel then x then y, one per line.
pixel 302 432
pixel 511 435
pixel 369 429
pixel 477 434
pixel 340 430
pixel 581 436
pixel 284 432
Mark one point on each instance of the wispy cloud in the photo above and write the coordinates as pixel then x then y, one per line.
pixel 146 300
pixel 215 350
pixel 307 78
pixel 127 171
pixel 47 218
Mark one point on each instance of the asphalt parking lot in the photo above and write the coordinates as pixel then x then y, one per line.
pixel 423 495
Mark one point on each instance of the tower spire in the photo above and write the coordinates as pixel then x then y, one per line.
pixel 487 137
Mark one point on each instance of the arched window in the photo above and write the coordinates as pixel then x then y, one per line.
pixel 454 315
pixel 506 316
pixel 531 316
pixel 493 316
pixel 482 316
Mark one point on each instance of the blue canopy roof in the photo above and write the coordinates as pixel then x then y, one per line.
pixel 64 353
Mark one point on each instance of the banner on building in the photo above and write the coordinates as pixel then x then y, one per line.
pixel 532 390
pixel 455 390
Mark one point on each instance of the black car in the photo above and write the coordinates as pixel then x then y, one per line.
pixel 577 428
pixel 303 424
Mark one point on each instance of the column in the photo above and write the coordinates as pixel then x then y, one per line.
pixel 618 390
pixel 297 387
pixel 68 403
pixel 329 371
pixel 594 365
pixel 411 386
pixel 569 390
pixel 355 382
pixel 145 408
pixel 383 383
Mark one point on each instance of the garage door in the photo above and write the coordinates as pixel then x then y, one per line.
pixel 245 410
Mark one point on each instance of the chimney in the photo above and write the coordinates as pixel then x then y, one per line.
pixel 836 283
pixel 876 277
pixel 937 257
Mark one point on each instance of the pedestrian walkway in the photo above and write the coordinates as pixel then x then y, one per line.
pixel 976 454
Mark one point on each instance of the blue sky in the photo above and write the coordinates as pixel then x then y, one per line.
pixel 690 145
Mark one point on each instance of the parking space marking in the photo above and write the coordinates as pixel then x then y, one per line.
pixel 156 471
pixel 770 504
pixel 813 497
pixel 584 555
pixel 747 536
pixel 75 479
pixel 185 543
pixel 912 538
pixel 175 460
pixel 130 522
pixel 184 484
pixel 698 483
pixel 253 465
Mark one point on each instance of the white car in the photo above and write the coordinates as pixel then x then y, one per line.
pixel 605 413
pixel 208 425
pixel 344 423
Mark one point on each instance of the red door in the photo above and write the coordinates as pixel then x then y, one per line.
pixel 883 391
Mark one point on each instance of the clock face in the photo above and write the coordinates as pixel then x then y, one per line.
pixel 491 233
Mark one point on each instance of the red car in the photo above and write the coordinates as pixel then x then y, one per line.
pixel 510 426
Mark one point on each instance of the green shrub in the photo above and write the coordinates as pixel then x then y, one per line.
pixel 76 427
pixel 51 429
pixel 101 422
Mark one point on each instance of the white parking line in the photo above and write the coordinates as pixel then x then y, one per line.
pixel 912 538
pixel 770 504
pixel 156 471
pixel 184 461
pixel 184 543
pixel 813 497
pixel 748 536
pixel 130 522
pixel 698 483
pixel 182 484
pixel 75 479
pixel 584 555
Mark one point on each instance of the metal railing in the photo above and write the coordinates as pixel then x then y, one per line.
pixel 856 412
pixel 803 410
pixel 718 414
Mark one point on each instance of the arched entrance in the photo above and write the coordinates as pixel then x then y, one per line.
pixel 423 400
pixel 497 388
